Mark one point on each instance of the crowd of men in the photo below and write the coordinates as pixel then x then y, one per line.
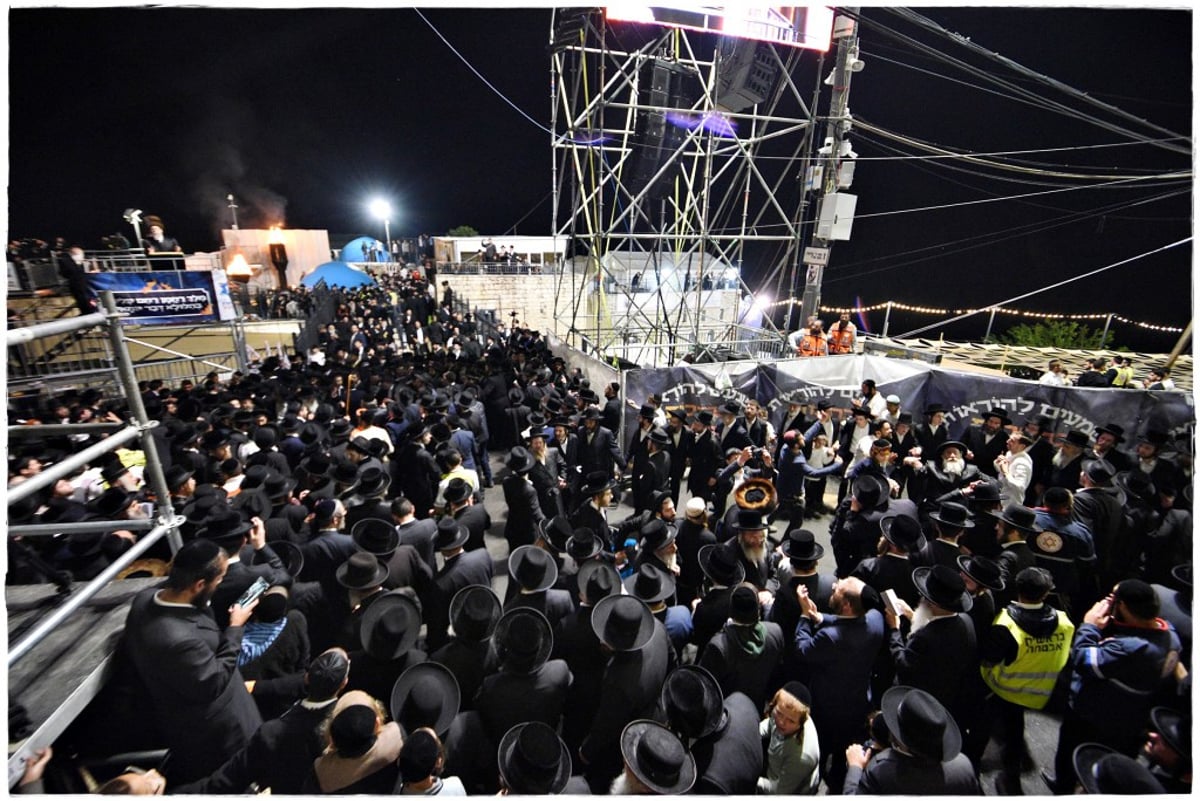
pixel 660 622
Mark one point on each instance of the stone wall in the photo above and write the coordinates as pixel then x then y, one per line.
pixel 530 296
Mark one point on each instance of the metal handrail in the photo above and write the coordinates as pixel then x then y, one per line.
pixel 42 529
pixel 69 465
pixel 21 336
pixel 85 593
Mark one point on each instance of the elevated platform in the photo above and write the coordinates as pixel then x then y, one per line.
pixel 61 675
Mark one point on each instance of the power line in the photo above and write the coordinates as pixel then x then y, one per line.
pixel 1056 285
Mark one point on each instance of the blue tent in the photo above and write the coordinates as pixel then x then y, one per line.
pixel 337 273
pixel 356 249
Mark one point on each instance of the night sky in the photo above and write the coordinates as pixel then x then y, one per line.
pixel 304 114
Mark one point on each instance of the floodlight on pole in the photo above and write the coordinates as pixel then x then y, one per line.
pixel 383 210
pixel 134 218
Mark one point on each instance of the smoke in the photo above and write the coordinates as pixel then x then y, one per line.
pixel 216 156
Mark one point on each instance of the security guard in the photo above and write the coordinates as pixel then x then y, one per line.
pixel 1022 655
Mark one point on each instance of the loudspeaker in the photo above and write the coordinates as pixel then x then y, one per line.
pixel 662 85
pixel 747 75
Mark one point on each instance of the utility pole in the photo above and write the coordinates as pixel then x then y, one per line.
pixel 836 163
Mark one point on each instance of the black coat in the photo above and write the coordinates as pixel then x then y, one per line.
pixel 376 677
pixel 983 451
pixel 890 572
pixel 524 511
pixel 420 534
pixel 240 575
pixel 936 658
pixel 555 605
pixel 464 570
pixel 707 458
pixel 601 455
pixel 576 642
pixel 478 522
pixel 279 672
pixel 629 691
pixel 710 615
pixel 278 756
pixel 469 662
pixel 729 761
pixel 738 670
pixel 508 698
pixel 197 694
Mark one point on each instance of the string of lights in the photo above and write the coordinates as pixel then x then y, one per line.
pixel 905 307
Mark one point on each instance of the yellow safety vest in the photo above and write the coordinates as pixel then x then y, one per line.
pixel 1030 679
pixel 1124 377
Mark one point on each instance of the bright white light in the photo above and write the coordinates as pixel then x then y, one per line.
pixel 381 208
pixel 762 301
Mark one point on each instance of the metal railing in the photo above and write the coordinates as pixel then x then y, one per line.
pixel 493 268
pixel 166 521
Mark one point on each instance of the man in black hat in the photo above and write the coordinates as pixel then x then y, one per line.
pixel 406 567
pixel 743 656
pixel 1168 749
pixel 679 447
pixel 852 434
pixel 461 569
pixel 529 686
pixel 1067 462
pixel 854 533
pixel 1014 525
pixel 1108 437
pixel 936 647
pixel 656 762
pixel 524 512
pixel 280 754
pixel 361 578
pixel 731 431
pixel 653 475
pixel 706 456
pixel 367 498
pixel 533 760
pixel 925 756
pixel 722 733
pixel 385 633
pixel 637 450
pixel 598 450
pixel 749 547
pixel 1122 655
pixel 461 505
pixel 941 471
pixel 1098 507
pixel 796 564
pixel 901 542
pixel 549 473
pixel 189 666
pixel 533 574
pixel 1150 460
pixel 576 642
pixel 595 495
pixel 415 470
pixel 948 521
pixel 986 441
pixel 629 689
pixel 248 557
pixel 1022 654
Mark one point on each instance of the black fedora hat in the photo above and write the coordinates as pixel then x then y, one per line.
pixel 318 464
pixel 801 545
pixel 532 568
pixel 361 571
pixel 623 623
pixel 996 411
pixel 1118 432
pixel 176 476
pixel 903 531
pixel 254 477
pixel 704 417
pixel 651 584
pixel 291 556
pixel 390 625
pixel 1100 471
pixel 110 503
pixel 868 491
pixel 750 520
pixel 533 760
pixel 934 408
pixel 457 490
pixel 376 537
pixel 942 586
pixel 252 503
pixel 731 407
pixel 1103 771
pixel 1018 516
pixel 951 443
pixel 646 412
pixel 340 427
pixel 595 483
pixel 590 413
pixel 226 527
pixel 721 566
pixel 986 491
pixel 214 438
pixel 278 487
pixel 372 480
pixel 361 444
pixel 1135 482
pixel 952 515
pixel 656 535
pixel 112 470
pixel 1174 728
pixel 63 510
pixel 597 580
pixel 556 531
pixel 584 544
pixel 523 639
pixel 426 695
pixel 450 534
pixel 982 570
pixel 474 611
pixel 1077 438
pixel 920 724
pixel 520 460
pixel 657 758
pixel 692 700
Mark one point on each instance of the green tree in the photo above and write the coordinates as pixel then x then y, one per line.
pixel 1068 334
pixel 462 230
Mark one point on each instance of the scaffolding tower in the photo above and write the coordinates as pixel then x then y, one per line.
pixel 680 166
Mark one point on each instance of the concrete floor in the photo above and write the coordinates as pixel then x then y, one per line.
pixel 1041 728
